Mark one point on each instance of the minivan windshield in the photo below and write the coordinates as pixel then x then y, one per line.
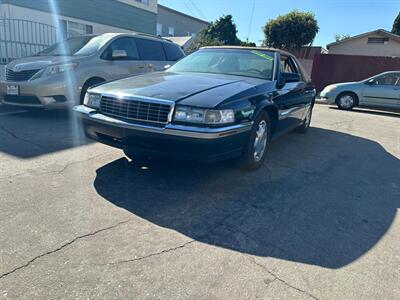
pixel 241 62
pixel 76 46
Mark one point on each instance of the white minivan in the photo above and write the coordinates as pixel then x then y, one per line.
pixel 60 75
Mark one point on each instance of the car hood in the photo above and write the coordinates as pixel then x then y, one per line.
pixel 39 62
pixel 342 84
pixel 197 89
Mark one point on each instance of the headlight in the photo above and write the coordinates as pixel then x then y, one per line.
pixel 55 69
pixel 92 100
pixel 330 88
pixel 205 116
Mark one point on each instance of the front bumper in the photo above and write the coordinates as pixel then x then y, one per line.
pixel 194 143
pixel 51 92
pixel 328 96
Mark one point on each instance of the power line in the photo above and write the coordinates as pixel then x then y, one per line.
pixel 251 19
pixel 187 6
pixel 197 9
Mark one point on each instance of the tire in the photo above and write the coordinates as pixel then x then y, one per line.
pixel 347 100
pixel 303 128
pixel 87 85
pixel 255 151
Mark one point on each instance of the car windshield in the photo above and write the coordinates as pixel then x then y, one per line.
pixel 76 46
pixel 242 62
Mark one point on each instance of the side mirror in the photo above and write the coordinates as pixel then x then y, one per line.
pixel 370 82
pixel 281 82
pixel 291 77
pixel 119 54
pixel 166 67
pixel 287 78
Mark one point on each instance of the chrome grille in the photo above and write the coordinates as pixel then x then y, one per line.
pixel 20 76
pixel 136 110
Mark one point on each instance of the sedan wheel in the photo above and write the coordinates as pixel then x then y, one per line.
pixel 255 151
pixel 260 142
pixel 346 101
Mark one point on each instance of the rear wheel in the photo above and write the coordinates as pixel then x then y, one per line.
pixel 255 151
pixel 346 101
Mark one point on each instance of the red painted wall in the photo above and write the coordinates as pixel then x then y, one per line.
pixel 332 68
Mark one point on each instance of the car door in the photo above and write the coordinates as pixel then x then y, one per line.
pixel 125 65
pixel 383 90
pixel 293 99
pixel 152 53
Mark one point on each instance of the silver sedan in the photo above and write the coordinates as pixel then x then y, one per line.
pixel 382 90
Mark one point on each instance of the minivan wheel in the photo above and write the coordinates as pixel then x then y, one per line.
pixel 255 151
pixel 346 101
pixel 87 85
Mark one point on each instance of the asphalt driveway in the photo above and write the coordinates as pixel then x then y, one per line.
pixel 319 220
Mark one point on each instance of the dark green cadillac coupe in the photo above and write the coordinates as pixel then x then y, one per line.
pixel 217 103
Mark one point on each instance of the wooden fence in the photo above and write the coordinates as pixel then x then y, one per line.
pixel 332 68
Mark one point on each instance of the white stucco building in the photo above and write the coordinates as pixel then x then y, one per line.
pixel 375 43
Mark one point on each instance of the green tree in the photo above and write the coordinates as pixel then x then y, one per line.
pixel 340 37
pixel 396 25
pixel 291 31
pixel 224 29
pixel 202 40
pixel 220 32
pixel 247 44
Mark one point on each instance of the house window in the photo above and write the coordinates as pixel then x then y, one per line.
pixel 145 2
pixel 70 28
pixel 171 31
pixel 159 29
pixel 378 40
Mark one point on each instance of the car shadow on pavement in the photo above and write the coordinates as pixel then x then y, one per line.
pixel 379 112
pixel 324 198
pixel 35 133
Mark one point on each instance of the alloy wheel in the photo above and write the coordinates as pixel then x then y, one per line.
pixel 346 101
pixel 260 141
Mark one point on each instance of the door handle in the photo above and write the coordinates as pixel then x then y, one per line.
pixel 141 67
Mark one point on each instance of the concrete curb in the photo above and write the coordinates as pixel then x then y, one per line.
pixel 320 101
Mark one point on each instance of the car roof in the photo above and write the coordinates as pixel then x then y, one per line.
pixel 138 34
pixel 389 72
pixel 250 48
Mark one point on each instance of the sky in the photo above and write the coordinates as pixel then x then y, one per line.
pixel 334 16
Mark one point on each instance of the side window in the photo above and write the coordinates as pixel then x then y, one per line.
pixel 150 50
pixel 172 51
pixel 287 66
pixel 127 44
pixel 388 79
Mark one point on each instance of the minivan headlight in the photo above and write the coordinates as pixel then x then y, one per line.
pixel 55 69
pixel 92 100
pixel 205 116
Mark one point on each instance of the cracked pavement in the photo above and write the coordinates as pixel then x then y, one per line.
pixel 318 221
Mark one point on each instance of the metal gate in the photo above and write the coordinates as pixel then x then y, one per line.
pixel 21 38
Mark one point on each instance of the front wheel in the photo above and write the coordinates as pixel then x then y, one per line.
pixel 346 101
pixel 255 151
